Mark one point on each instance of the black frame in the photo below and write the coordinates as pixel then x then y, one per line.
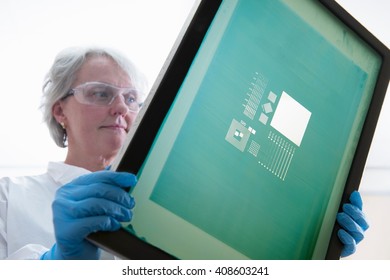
pixel 128 246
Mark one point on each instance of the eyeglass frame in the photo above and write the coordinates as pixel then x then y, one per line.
pixel 73 92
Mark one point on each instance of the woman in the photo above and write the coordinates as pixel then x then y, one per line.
pixel 91 98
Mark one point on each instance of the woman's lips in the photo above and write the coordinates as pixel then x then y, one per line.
pixel 115 127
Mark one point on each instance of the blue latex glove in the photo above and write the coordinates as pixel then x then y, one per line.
pixel 90 203
pixel 353 224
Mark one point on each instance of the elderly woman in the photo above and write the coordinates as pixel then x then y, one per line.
pixel 91 98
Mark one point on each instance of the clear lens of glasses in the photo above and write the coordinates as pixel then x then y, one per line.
pixel 101 94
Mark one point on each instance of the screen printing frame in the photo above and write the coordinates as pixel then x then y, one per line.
pixel 162 95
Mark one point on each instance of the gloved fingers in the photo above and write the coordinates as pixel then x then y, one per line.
pixel 347 223
pixel 89 225
pixel 356 199
pixel 101 207
pixel 356 214
pixel 97 190
pixel 348 241
pixel 123 179
pixel 74 234
pixel 104 223
pixel 91 207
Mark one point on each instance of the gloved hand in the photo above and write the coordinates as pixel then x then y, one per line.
pixel 353 223
pixel 90 203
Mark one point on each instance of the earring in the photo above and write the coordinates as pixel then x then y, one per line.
pixel 63 125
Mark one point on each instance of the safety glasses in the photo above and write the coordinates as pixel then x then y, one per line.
pixel 102 94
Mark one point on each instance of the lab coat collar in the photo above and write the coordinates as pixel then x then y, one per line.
pixel 63 173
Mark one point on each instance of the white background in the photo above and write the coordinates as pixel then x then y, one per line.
pixel 33 32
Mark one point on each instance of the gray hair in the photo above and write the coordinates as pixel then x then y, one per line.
pixel 61 75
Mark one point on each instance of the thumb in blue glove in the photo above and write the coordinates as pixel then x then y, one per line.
pixel 90 203
pixel 353 224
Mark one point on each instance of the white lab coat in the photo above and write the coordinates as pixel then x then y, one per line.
pixel 26 226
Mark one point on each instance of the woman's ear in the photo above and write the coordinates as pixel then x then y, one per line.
pixel 58 112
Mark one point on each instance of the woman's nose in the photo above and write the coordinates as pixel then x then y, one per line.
pixel 118 106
